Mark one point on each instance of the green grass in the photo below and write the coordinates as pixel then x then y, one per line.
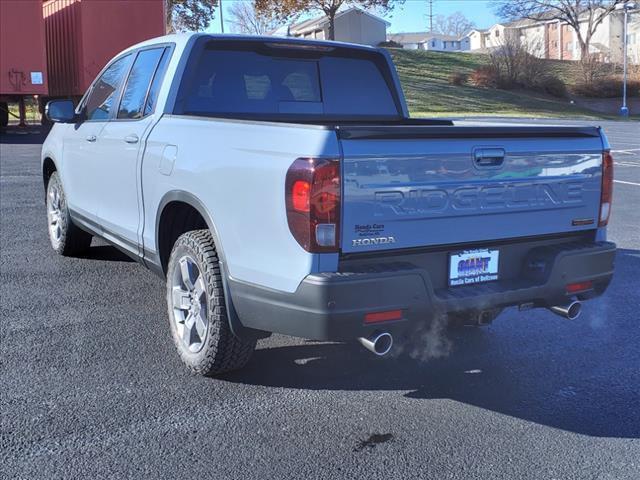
pixel 425 80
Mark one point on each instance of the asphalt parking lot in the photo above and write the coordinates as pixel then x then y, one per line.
pixel 90 386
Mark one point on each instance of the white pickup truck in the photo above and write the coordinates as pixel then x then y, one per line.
pixel 279 185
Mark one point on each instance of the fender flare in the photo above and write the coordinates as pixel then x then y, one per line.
pixel 193 201
pixel 43 159
pixel 239 330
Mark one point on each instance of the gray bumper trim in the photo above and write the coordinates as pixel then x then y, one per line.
pixel 331 306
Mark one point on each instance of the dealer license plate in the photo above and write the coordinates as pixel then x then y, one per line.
pixel 473 266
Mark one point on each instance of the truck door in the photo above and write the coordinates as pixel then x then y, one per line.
pixel 120 156
pixel 83 141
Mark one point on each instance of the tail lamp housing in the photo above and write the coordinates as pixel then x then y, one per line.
pixel 606 192
pixel 312 197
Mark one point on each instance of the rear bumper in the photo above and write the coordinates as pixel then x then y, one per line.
pixel 332 306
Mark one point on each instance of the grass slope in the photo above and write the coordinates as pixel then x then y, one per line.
pixel 425 80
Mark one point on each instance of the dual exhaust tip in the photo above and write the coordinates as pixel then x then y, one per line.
pixel 380 343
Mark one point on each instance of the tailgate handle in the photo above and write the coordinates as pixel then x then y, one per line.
pixel 489 157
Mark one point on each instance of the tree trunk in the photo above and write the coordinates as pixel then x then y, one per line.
pixel 584 50
pixel 332 25
pixel 168 10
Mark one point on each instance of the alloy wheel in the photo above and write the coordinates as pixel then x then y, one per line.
pixel 189 302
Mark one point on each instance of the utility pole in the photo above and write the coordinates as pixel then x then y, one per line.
pixel 221 18
pixel 430 15
pixel 624 111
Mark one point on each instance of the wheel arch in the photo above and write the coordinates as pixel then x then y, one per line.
pixel 179 201
pixel 48 167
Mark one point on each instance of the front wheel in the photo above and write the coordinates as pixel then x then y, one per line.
pixel 65 237
pixel 197 313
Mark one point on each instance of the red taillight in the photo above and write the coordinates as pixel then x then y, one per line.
pixel 300 196
pixel 579 287
pixel 312 196
pixel 606 195
pixel 377 317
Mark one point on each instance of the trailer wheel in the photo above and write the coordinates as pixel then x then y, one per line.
pixel 4 114
pixel 197 313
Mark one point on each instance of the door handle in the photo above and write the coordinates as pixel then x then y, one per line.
pixel 91 138
pixel 131 138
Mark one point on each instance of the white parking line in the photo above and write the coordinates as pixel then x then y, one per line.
pixel 629 151
pixel 627 183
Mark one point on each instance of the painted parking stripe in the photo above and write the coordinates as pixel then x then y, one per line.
pixel 627 183
pixel 629 151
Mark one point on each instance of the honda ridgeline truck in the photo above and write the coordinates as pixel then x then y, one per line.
pixel 279 185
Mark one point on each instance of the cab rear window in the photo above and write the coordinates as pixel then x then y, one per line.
pixel 254 81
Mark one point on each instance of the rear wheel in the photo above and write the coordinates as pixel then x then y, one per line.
pixel 197 313
pixel 66 238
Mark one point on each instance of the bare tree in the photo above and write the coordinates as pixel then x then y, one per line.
pixel 515 65
pixel 287 10
pixel 584 16
pixel 455 24
pixel 245 19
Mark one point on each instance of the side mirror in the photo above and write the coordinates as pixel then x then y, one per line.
pixel 60 111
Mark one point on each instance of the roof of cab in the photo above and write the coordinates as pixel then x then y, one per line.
pixel 181 40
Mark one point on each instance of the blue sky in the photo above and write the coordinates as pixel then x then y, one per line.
pixel 411 17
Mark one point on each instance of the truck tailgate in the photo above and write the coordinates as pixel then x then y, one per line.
pixel 406 187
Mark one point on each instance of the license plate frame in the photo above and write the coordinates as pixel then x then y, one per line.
pixel 473 266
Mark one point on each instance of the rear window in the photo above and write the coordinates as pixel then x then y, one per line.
pixel 274 83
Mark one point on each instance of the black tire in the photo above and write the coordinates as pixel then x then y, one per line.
pixel 66 238
pixel 220 350
pixel 4 114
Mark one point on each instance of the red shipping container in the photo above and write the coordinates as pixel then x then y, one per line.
pixel 83 35
pixel 23 62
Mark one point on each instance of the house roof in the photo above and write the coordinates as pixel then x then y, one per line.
pixel 548 17
pixel 320 22
pixel 475 30
pixel 419 37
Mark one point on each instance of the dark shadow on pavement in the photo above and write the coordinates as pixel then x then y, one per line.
pixel 106 253
pixel 31 135
pixel 563 380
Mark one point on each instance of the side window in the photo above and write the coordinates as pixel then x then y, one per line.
pixel 132 105
pixel 103 94
pixel 152 97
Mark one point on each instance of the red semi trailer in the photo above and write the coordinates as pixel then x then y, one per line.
pixel 83 35
pixel 55 48
pixel 23 61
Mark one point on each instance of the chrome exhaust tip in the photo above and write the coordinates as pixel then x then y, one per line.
pixel 379 343
pixel 570 311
